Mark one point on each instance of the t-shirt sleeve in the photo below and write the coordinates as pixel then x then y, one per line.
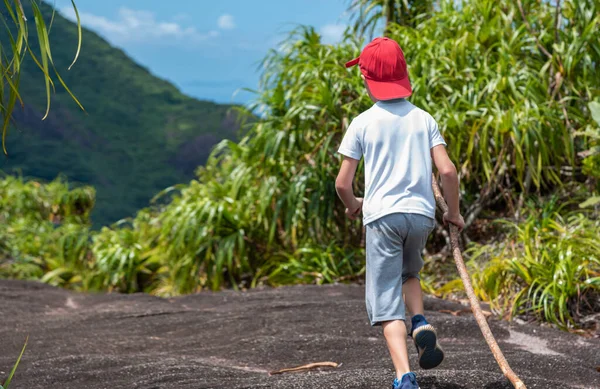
pixel 435 138
pixel 351 145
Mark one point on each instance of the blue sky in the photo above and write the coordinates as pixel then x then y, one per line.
pixel 208 48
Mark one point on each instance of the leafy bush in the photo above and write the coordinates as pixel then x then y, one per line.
pixel 477 67
pixel 591 161
pixel 68 260
pixel 44 231
pixel 122 263
pixel 316 265
pixel 548 267
pixel 53 201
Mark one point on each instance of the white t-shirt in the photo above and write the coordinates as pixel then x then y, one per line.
pixel 396 139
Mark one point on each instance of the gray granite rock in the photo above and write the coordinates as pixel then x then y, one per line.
pixel 233 339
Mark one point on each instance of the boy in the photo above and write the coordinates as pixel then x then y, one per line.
pixel 399 142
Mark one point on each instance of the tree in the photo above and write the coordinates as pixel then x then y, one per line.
pixel 16 47
pixel 368 14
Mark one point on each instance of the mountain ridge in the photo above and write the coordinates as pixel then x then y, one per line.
pixel 138 135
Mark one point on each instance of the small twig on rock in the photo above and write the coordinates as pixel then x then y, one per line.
pixel 305 367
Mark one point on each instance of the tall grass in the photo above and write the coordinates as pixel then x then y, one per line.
pixel 548 267
pixel 14 368
pixel 316 265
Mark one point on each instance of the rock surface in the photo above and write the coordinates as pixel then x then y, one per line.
pixel 233 339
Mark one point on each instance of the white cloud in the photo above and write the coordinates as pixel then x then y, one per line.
pixel 226 22
pixel 138 26
pixel 332 33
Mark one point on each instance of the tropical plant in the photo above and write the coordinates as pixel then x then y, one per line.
pixel 509 111
pixel 69 262
pixel 273 191
pixel 44 231
pixel 548 267
pixel 591 161
pixel 123 262
pixel 54 201
pixel 368 15
pixel 11 58
pixel 315 265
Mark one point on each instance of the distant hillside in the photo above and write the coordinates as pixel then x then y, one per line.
pixel 139 134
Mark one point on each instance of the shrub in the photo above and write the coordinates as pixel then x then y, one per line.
pixel 548 267
pixel 316 265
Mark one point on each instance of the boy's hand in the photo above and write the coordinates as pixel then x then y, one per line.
pixel 353 212
pixel 457 220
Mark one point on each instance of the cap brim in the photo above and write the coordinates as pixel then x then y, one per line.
pixel 349 64
pixel 389 90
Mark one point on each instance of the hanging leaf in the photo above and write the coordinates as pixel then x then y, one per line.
pixel 595 110
pixel 12 56
pixel 592 201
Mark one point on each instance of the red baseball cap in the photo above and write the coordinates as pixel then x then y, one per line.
pixel 384 67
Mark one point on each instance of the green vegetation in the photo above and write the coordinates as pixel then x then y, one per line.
pixel 14 369
pixel 548 266
pixel 138 133
pixel 40 225
pixel 515 99
pixel 14 50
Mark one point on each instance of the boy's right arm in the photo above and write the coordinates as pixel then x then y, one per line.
pixel 449 185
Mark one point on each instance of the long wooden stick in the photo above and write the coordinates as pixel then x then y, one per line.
pixel 475 307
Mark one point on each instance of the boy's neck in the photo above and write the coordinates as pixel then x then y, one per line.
pixel 391 101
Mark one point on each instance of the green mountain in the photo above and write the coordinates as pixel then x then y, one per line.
pixel 138 135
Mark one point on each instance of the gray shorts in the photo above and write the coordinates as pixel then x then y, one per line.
pixel 394 245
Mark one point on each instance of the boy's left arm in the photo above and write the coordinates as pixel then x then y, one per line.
pixel 343 186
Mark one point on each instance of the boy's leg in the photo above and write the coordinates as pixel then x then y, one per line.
pixel 395 336
pixel 419 230
pixel 423 334
pixel 383 287
pixel 413 296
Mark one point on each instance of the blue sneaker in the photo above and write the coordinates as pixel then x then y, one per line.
pixel 425 338
pixel 408 381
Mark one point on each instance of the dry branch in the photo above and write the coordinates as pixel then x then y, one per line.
pixel 475 307
pixel 305 367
